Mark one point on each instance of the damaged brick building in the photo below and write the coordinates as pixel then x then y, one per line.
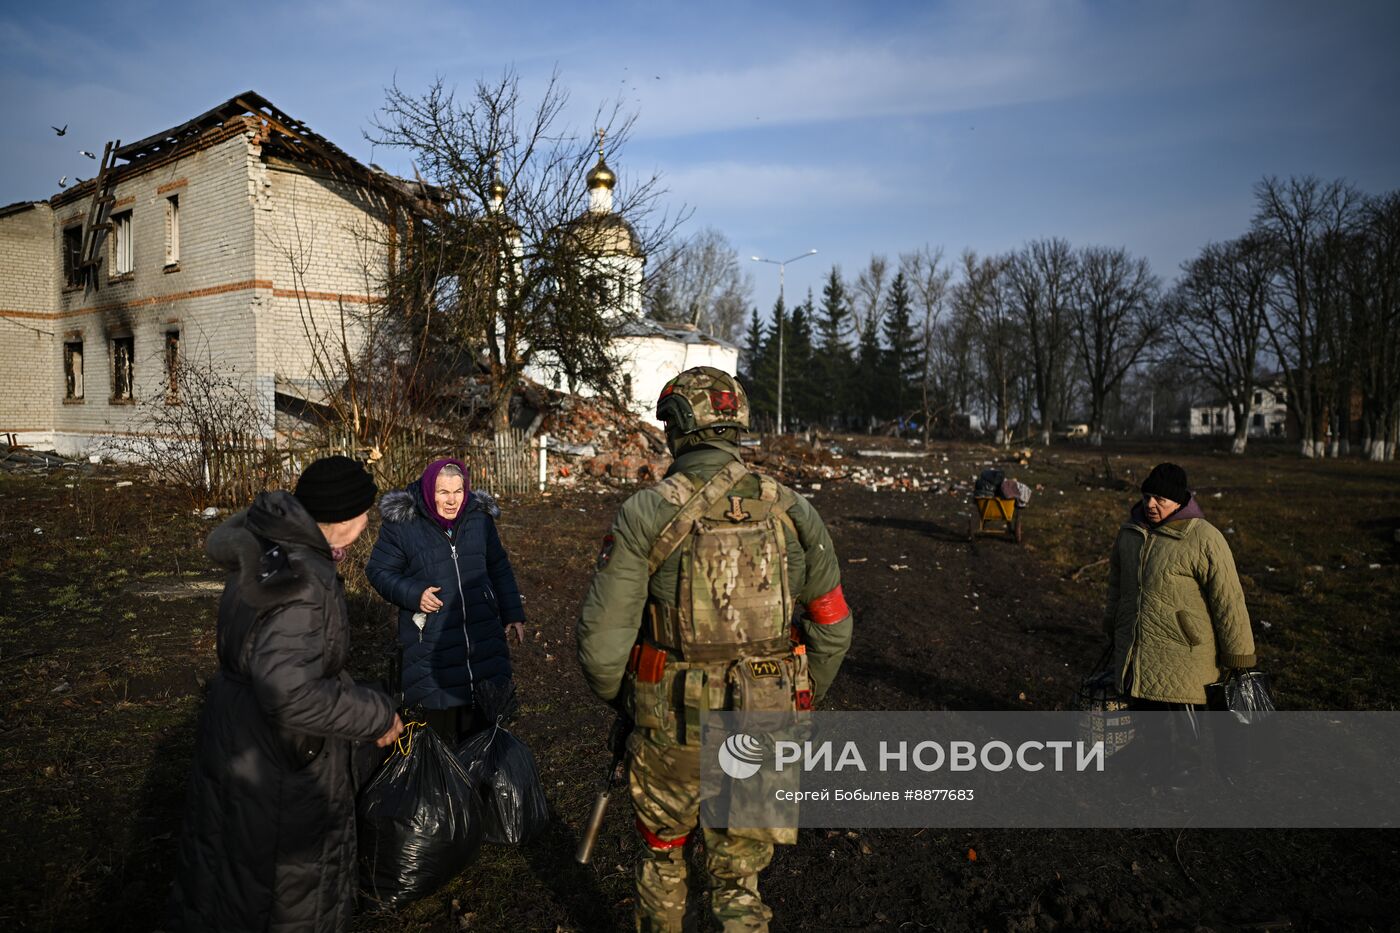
pixel 219 239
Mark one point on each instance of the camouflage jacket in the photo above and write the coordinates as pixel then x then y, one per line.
pixel 612 612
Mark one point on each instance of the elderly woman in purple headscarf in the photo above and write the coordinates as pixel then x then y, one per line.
pixel 439 559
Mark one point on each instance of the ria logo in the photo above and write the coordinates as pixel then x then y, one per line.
pixel 741 756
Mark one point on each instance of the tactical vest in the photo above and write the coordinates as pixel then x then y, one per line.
pixel 734 600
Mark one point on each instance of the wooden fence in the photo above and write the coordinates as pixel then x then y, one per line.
pixel 507 464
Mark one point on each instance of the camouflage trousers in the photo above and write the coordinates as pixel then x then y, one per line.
pixel 665 786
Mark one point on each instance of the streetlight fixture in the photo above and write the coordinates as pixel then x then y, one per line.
pixel 782 303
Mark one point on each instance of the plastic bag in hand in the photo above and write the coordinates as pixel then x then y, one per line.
pixel 502 768
pixel 420 821
pixel 1243 693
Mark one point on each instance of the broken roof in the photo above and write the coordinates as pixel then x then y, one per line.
pixel 280 131
pixel 667 330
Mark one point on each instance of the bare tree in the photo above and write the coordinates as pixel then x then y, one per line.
pixel 1116 317
pixel 868 295
pixel 981 300
pixel 1218 308
pixel 203 432
pixel 511 265
pixel 1041 278
pixel 1299 217
pixel 702 283
pixel 1373 277
pixel 928 279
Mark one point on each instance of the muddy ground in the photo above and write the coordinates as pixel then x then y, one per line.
pixel 106 638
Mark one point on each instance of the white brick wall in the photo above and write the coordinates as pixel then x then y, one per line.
pixel 27 331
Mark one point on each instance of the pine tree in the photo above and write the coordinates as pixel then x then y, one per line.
pixel 833 365
pixel 903 355
pixel 800 395
pixel 865 387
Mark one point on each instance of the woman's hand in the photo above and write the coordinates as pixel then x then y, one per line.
pixel 429 602
pixel 395 730
pixel 518 630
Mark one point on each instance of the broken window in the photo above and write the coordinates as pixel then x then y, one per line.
pixel 122 254
pixel 123 354
pixel 1258 421
pixel 172 230
pixel 172 367
pixel 72 255
pixel 73 369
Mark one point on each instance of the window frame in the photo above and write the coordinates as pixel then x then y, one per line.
pixel 123 246
pixel 172 365
pixel 118 383
pixel 172 230
pixel 73 388
pixel 72 257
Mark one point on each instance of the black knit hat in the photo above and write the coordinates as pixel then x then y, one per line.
pixel 335 489
pixel 1167 481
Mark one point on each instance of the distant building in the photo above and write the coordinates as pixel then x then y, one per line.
pixel 650 353
pixel 220 239
pixel 1268 413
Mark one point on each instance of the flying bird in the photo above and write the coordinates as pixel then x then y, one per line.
pixel 60 132
pixel 63 182
pixel 86 153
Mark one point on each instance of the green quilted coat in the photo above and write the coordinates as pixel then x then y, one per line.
pixel 1175 608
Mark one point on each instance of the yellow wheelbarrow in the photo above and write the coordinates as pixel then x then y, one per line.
pixel 993 511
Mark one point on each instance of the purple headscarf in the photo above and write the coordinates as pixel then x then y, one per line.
pixel 428 485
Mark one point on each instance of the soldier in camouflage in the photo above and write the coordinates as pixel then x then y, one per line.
pixel 690 609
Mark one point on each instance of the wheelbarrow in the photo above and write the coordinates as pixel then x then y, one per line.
pixel 994 515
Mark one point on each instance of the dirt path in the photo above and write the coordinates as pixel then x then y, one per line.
pixel 100 675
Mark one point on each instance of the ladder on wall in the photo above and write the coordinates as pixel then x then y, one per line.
pixel 99 219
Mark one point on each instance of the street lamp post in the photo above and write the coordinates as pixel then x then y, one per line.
pixel 782 304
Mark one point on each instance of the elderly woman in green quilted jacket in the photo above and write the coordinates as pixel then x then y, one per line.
pixel 1177 618
pixel 1175 611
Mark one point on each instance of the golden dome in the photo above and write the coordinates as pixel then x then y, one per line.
pixel 601 176
pixel 498 189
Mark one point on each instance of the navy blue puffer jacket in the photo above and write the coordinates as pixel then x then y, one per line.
pixel 464 642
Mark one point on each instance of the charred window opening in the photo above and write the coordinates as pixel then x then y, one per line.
pixel 172 230
pixel 72 255
pixel 123 355
pixel 172 367
pixel 73 369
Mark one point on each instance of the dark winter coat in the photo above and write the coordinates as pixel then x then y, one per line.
pixel 464 642
pixel 269 834
pixel 1175 609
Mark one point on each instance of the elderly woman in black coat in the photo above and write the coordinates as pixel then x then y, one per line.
pixel 440 561
pixel 269 835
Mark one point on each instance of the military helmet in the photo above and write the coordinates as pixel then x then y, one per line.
pixel 703 397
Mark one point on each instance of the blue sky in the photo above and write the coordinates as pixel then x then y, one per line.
pixel 851 128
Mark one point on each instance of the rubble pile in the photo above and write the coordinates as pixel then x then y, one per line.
pixel 590 439
pixel 21 459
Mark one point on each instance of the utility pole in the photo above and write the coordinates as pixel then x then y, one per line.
pixel 782 306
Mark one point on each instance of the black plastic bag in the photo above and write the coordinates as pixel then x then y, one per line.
pixel 502 769
pixel 1243 746
pixel 988 485
pixel 1243 693
pixel 420 821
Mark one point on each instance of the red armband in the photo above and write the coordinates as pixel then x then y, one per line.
pixel 828 609
pixel 656 842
